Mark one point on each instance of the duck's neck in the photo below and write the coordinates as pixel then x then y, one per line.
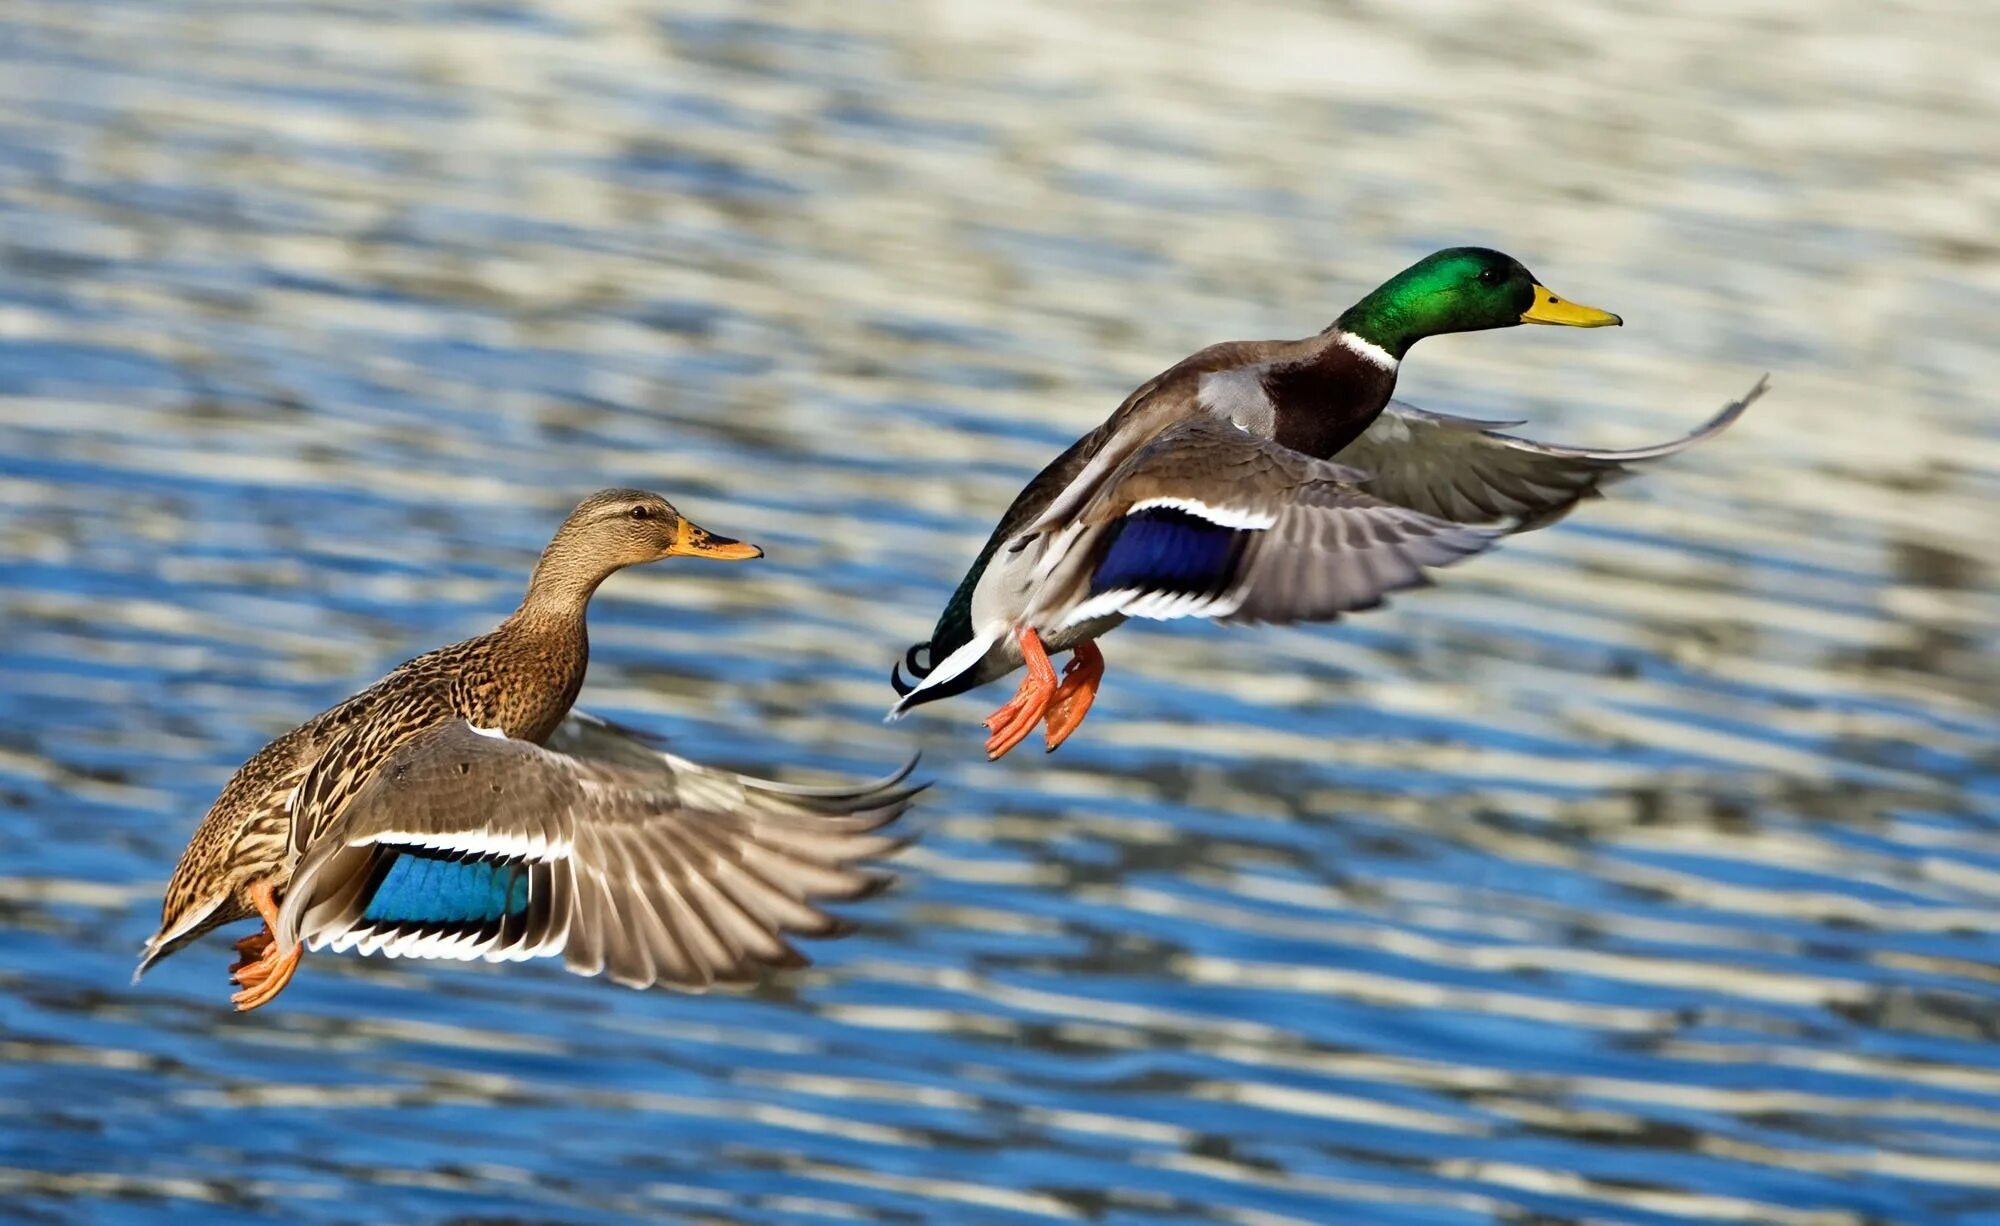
pixel 1383 322
pixel 1324 403
pixel 546 647
pixel 560 589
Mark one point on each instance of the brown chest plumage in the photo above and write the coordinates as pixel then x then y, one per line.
pixel 1323 405
pixel 538 681
pixel 522 678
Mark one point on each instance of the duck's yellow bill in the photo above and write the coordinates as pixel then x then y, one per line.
pixel 695 542
pixel 1549 309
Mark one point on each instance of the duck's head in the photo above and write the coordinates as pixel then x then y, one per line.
pixel 613 529
pixel 620 528
pixel 1461 289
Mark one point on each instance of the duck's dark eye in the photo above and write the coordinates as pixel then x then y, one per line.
pixel 1491 276
pixel 642 512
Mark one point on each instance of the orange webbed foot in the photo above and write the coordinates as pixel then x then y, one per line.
pixel 1073 697
pixel 263 971
pixel 1012 723
pixel 266 978
pixel 252 950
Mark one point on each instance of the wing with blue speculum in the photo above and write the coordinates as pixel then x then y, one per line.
pixel 421 886
pixel 1208 520
pixel 617 857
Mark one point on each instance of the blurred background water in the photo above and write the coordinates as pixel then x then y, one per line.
pixel 1645 871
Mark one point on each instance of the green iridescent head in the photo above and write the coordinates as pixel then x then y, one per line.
pixel 1461 289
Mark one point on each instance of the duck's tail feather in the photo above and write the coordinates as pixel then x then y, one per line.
pixel 918 670
pixel 936 678
pixel 191 923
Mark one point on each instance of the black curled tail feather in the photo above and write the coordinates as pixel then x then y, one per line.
pixel 953 631
pixel 917 671
pixel 954 625
pixel 912 696
pixel 921 685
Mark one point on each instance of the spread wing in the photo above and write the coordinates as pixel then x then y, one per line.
pixel 1208 520
pixel 467 844
pixel 1460 469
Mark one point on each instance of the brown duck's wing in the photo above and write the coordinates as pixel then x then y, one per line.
pixel 593 738
pixel 1208 520
pixel 655 870
pixel 1466 470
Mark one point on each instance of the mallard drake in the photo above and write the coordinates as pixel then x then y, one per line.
pixel 1261 481
pixel 458 809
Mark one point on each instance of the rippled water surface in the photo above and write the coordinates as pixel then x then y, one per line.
pixel 1645 871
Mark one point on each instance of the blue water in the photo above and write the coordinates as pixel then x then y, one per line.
pixel 1644 871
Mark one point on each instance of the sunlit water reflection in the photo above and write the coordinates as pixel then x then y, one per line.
pixel 1643 872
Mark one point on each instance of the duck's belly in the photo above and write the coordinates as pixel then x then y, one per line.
pixel 1007 589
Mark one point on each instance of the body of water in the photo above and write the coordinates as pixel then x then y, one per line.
pixel 1644 871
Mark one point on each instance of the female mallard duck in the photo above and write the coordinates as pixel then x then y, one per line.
pixel 449 811
pixel 1211 492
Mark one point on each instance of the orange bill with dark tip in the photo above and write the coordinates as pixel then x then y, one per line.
pixel 691 541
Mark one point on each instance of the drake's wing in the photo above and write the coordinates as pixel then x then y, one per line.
pixel 1465 470
pixel 1208 520
pixel 470 845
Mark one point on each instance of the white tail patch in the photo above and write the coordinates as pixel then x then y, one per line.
pixel 951 666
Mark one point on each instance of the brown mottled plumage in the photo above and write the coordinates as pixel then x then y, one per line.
pixel 513 686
